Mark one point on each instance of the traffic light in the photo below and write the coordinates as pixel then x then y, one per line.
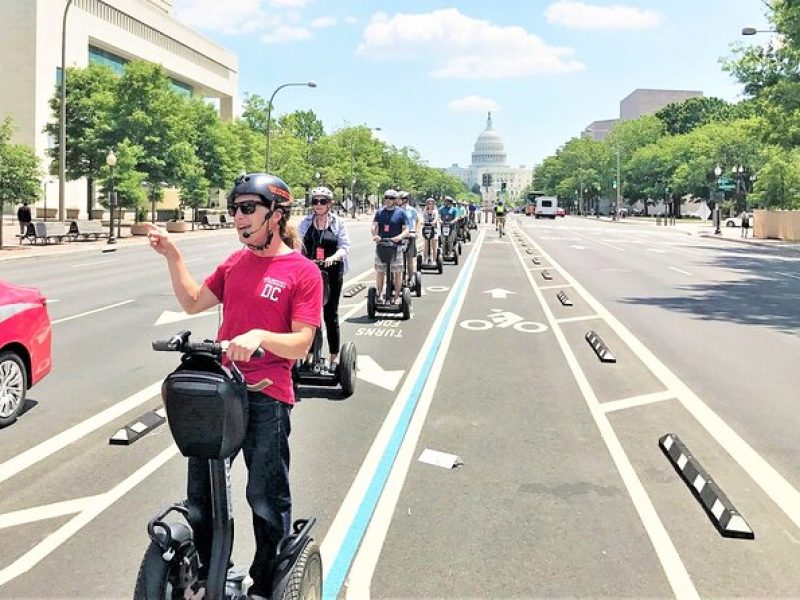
pixel 503 186
pixel 485 180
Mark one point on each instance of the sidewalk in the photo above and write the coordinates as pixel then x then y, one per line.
pixel 706 229
pixel 12 250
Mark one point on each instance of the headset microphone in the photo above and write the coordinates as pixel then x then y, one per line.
pixel 246 234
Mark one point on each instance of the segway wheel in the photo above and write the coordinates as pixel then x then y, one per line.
pixel 372 299
pixel 161 579
pixel 305 580
pixel 418 284
pixel 459 247
pixel 455 258
pixel 346 369
pixel 419 262
pixel 439 264
pixel 406 304
pixel 469 236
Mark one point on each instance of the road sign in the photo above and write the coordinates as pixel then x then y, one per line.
pixel 726 183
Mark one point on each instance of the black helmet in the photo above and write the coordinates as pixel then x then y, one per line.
pixel 273 190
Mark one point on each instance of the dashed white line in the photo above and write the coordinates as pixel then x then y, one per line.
pixel 577 319
pixel 94 263
pixel 635 401
pixel 681 271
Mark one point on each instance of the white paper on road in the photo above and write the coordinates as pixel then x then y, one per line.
pixel 440 459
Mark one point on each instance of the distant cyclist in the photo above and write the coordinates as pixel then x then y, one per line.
pixel 500 217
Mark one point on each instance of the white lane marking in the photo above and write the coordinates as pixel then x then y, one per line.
pixel 785 496
pixel 91 312
pixel 363 566
pixel 41 451
pixel 579 247
pixel 47 511
pixel 95 262
pixel 575 319
pixel 635 401
pixel 356 278
pixel 657 250
pixel 190 260
pixel 555 287
pixel 99 503
pixel 671 562
pixel 789 275
pixel 681 271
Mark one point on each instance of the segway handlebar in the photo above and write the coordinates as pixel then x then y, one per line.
pixel 180 343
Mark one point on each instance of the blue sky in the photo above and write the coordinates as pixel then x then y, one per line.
pixel 427 71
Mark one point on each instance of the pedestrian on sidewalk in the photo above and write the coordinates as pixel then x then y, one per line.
pixel 24 217
pixel 745 223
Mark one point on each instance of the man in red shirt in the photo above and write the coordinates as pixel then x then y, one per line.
pixel 271 298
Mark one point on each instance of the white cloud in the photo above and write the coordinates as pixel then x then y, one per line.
pixel 463 47
pixel 226 16
pixel 286 33
pixel 288 3
pixel 578 15
pixel 472 103
pixel 321 22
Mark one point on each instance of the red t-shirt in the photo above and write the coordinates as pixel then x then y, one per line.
pixel 267 293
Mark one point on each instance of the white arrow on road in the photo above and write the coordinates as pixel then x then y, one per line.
pixel 171 316
pixel 499 293
pixel 373 373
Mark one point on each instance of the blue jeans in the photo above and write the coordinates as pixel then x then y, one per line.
pixel 266 454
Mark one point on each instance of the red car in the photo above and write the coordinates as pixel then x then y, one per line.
pixel 560 212
pixel 24 346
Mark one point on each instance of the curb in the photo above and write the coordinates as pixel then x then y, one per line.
pixel 728 521
pixel 795 246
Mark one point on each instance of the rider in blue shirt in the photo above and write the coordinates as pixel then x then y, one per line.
pixel 414 224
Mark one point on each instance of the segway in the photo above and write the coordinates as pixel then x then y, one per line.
pixel 449 253
pixel 386 249
pixel 412 280
pixel 206 406
pixel 314 371
pixel 428 263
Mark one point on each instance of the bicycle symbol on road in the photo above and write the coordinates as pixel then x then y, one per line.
pixel 503 319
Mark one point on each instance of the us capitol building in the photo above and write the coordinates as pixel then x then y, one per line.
pixel 489 156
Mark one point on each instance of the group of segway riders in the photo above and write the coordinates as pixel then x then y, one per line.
pixel 237 393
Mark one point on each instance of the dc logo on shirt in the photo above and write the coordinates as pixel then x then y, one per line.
pixel 272 288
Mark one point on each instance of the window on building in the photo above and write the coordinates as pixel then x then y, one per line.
pixel 184 89
pixel 59 76
pixel 99 56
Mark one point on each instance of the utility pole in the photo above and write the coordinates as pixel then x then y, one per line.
pixel 619 185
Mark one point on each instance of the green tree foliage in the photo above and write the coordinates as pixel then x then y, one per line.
pixel 19 170
pixel 683 117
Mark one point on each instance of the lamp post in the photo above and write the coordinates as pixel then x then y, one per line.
pixel 717 172
pixel 737 171
pixel 111 161
pixel 310 84
pixel 753 31
pixel 62 119
pixel 44 187
pixel 618 186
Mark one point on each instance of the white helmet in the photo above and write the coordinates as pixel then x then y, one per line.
pixel 322 192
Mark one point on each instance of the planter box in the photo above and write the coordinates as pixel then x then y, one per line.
pixel 177 226
pixel 98 213
pixel 50 213
pixel 139 229
pixel 73 213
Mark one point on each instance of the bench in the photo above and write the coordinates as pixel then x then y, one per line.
pixel 87 229
pixel 45 232
pixel 212 221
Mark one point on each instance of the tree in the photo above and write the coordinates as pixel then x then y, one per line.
pixel 127 181
pixel 90 99
pixel 19 170
pixel 682 117
pixel 254 112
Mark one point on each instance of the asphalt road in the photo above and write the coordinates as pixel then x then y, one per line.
pixel 563 490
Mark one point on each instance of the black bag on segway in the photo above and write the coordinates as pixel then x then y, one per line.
pixel 206 407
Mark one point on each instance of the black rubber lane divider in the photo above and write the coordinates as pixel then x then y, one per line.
pixel 529 250
pixel 536 260
pixel 599 347
pixel 108 250
pixel 136 429
pixel 564 299
pixel 728 521
pixel 546 274
pixel 352 291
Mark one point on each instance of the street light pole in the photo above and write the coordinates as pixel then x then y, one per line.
pixel 717 230
pixel 111 161
pixel 310 84
pixel 616 205
pixel 62 119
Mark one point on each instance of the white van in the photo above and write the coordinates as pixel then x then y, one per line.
pixel 546 207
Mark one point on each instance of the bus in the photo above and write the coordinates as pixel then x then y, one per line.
pixel 530 202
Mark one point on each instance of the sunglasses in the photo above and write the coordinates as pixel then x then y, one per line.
pixel 247 207
pixel 322 201
pixel 390 197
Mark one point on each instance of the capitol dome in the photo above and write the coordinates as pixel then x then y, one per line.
pixel 489 149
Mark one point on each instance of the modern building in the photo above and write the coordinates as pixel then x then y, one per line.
pixel 637 104
pixel 111 32
pixel 489 157
pixel 647 102
pixel 598 130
